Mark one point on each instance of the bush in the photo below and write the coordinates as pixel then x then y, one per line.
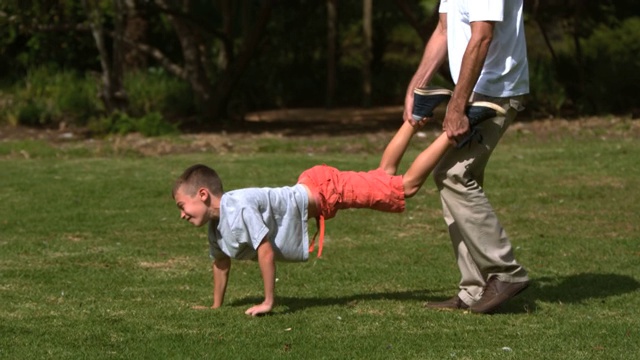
pixel 156 91
pixel 607 78
pixel 611 56
pixel 151 124
pixel 547 95
pixel 48 97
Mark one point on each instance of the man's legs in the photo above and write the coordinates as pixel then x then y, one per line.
pixel 480 243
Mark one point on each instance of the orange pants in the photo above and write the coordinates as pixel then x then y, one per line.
pixel 334 189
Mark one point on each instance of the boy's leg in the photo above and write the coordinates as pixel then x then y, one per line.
pixel 395 149
pixel 425 101
pixel 424 164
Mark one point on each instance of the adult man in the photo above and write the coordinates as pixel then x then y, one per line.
pixel 485 44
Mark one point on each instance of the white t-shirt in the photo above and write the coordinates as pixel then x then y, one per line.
pixel 248 215
pixel 505 72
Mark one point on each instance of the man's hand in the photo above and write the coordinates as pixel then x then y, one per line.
pixel 420 123
pixel 456 125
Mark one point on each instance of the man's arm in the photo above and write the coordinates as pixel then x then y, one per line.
pixel 434 55
pixel 266 260
pixel 455 122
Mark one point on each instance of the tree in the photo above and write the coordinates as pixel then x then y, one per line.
pixel 367 32
pixel 424 30
pixel 331 51
pixel 112 92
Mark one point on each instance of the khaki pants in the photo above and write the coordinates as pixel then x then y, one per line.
pixel 480 244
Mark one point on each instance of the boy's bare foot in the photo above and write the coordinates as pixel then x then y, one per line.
pixel 259 309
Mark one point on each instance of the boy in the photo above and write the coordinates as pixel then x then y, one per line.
pixel 269 224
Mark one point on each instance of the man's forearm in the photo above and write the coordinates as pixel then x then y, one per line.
pixel 472 64
pixel 434 54
pixel 433 57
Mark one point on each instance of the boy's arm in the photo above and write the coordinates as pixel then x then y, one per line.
pixel 221 268
pixel 266 260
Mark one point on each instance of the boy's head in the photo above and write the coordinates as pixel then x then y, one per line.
pixel 196 193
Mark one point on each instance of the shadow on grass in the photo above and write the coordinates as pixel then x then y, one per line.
pixel 298 303
pixel 572 289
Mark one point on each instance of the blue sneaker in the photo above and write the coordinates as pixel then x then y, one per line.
pixel 426 99
pixel 477 112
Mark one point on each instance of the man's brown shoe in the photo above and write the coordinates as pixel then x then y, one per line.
pixel 496 293
pixel 454 303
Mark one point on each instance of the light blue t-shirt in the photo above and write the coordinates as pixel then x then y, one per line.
pixel 249 215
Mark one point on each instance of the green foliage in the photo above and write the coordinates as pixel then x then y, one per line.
pixel 547 93
pixel 289 68
pixel 48 96
pixel 156 91
pixel 605 77
pixel 150 124
pixel 37 33
pixel 613 65
pixel 595 66
pixel 104 268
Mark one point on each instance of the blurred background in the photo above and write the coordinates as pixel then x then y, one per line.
pixel 165 66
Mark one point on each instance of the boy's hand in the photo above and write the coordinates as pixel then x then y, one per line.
pixel 259 309
pixel 267 262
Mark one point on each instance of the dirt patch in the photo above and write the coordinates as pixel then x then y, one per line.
pixel 305 123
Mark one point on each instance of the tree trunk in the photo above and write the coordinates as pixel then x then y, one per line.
pixel 367 52
pixel 117 62
pixel 229 78
pixel 135 30
pixel 226 52
pixel 332 33
pixel 424 31
pixel 111 92
pixel 193 67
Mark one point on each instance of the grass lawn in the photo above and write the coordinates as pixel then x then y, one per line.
pixel 94 262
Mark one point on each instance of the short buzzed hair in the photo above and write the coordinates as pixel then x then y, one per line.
pixel 197 177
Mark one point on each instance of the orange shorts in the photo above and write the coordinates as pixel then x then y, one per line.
pixel 334 189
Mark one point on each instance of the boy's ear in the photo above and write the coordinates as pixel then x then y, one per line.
pixel 203 194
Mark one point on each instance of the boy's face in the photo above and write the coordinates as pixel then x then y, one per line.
pixel 193 208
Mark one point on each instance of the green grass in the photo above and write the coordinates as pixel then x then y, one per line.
pixel 94 262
